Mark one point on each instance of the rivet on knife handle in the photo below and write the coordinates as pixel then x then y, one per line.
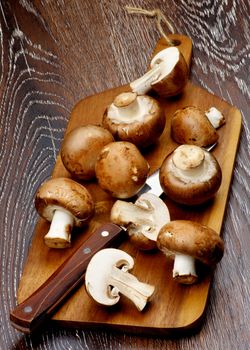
pixel 32 312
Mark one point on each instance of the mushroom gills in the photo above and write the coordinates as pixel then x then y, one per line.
pixel 136 111
pixel 184 269
pixel 59 234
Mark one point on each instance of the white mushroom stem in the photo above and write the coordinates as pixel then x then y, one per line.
pixel 190 163
pixel 184 266
pixel 215 117
pixel 128 285
pixel 143 84
pixel 59 234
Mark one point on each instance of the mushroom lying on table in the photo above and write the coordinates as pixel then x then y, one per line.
pixel 107 276
pixel 168 74
pixel 190 175
pixel 190 125
pixel 121 170
pixel 65 203
pixel 142 219
pixel 80 149
pixel 187 241
pixel 134 118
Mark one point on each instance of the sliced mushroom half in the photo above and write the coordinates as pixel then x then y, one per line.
pixel 168 74
pixel 107 277
pixel 142 219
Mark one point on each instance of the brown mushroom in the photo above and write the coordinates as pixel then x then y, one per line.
pixel 168 74
pixel 142 219
pixel 81 148
pixel 190 175
pixel 190 125
pixel 65 203
pixel 134 118
pixel 121 170
pixel 187 241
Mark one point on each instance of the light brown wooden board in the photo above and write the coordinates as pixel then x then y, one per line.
pixel 174 307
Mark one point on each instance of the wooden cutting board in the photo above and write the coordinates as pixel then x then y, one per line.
pixel 174 307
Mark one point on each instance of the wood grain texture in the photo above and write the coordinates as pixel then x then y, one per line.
pixel 174 308
pixel 55 52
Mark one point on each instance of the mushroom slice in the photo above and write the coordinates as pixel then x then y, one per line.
pixel 136 119
pixel 65 203
pixel 121 170
pixel 190 175
pixel 187 241
pixel 80 150
pixel 168 74
pixel 142 219
pixel 107 276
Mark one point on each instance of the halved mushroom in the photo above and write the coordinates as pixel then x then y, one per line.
pixel 168 74
pixel 121 170
pixel 190 175
pixel 65 203
pixel 80 149
pixel 190 125
pixel 142 219
pixel 187 241
pixel 107 276
pixel 136 119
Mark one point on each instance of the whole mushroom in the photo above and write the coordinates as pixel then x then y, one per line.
pixel 187 241
pixel 121 170
pixel 65 203
pixel 190 125
pixel 134 118
pixel 190 175
pixel 80 149
pixel 142 219
pixel 168 74
pixel 107 276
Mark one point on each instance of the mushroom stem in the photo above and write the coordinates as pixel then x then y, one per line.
pixel 128 285
pixel 59 233
pixel 215 117
pixel 143 84
pixel 184 269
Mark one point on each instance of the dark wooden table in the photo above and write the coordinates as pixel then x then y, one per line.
pixel 54 53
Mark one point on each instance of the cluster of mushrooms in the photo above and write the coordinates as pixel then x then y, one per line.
pixel 112 155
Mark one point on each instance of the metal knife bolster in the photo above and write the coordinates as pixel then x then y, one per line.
pixel 32 312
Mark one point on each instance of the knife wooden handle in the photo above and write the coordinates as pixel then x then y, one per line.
pixel 32 312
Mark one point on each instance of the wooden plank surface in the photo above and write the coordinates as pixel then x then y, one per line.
pixel 55 53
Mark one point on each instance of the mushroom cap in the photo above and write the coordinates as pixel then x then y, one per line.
pixel 121 170
pixel 190 125
pixel 142 125
pixel 192 239
pixel 174 74
pixel 183 188
pixel 81 148
pixel 64 193
pixel 99 269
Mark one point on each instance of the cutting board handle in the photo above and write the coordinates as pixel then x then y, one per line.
pixel 32 312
